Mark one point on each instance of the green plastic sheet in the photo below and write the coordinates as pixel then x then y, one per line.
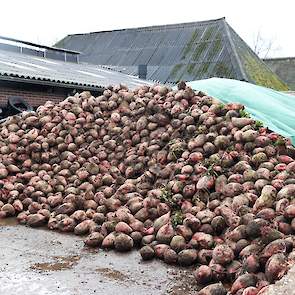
pixel 275 109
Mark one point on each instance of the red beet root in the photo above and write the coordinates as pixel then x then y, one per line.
pixel 203 274
pixel 214 289
pixel 243 281
pixel 222 254
pixel 188 179
pixel 276 267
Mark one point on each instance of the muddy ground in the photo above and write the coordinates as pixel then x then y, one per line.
pixel 39 261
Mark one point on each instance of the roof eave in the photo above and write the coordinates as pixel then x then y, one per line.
pixel 51 83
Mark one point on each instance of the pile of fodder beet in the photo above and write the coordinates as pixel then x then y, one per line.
pixel 185 178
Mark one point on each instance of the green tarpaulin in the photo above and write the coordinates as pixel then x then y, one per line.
pixel 275 109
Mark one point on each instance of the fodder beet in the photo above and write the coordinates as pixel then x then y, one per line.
pixel 172 171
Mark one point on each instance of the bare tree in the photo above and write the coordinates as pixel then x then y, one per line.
pixel 263 46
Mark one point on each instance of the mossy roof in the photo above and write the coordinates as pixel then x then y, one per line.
pixel 189 51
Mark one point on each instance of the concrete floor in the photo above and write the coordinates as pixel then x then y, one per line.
pixel 39 261
pixel 286 286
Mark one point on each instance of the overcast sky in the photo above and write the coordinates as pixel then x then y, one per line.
pixel 46 22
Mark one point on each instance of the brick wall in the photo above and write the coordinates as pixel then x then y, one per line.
pixel 35 97
pixel 34 94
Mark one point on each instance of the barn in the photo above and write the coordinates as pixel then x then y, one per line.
pixel 187 51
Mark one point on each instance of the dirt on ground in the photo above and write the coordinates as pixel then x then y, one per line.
pixel 39 261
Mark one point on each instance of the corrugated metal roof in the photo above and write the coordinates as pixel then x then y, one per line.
pixel 37 69
pixel 187 51
pixel 255 70
pixel 37 45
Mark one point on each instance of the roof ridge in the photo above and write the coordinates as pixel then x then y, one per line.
pixel 233 47
pixel 175 25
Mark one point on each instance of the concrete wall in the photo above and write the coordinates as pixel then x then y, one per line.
pixel 284 68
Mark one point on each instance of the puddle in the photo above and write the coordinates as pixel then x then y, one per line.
pixel 61 263
pixel 9 221
pixel 112 274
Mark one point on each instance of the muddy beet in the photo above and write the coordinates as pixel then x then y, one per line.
pixel 173 172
